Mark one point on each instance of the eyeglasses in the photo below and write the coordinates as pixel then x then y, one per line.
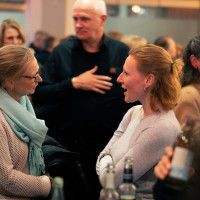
pixel 31 77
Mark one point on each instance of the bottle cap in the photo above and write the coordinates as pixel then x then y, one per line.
pixel 58 181
pixel 128 159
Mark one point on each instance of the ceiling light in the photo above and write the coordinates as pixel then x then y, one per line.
pixel 136 9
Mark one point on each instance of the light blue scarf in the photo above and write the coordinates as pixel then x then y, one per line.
pixel 21 118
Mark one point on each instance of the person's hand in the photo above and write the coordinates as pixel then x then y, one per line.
pixel 90 81
pixel 104 161
pixel 101 156
pixel 50 178
pixel 163 167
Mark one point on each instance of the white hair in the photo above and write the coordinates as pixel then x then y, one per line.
pixel 98 5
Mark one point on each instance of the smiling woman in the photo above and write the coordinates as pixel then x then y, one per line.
pixel 151 77
pixel 11 33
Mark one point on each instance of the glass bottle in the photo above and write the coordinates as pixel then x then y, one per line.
pixel 127 189
pixel 109 192
pixel 182 158
pixel 57 189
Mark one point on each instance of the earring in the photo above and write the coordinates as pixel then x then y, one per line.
pixel 145 89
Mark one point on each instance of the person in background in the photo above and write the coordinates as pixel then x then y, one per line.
pixel 42 56
pixel 151 77
pixel 168 44
pixel 188 107
pixel 22 134
pixel 115 35
pixel 189 102
pixel 134 41
pixel 66 38
pixel 162 169
pixel 179 50
pixel 79 97
pixel 11 33
pixel 38 41
pixel 49 44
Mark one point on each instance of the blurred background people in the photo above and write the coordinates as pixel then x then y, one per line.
pixel 48 46
pixel 179 50
pixel 66 38
pixel 22 134
pixel 189 102
pixel 168 44
pixel 11 33
pixel 79 97
pixel 134 41
pixel 38 41
pixel 115 35
pixel 146 129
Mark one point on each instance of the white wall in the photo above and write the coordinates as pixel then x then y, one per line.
pixel 181 30
pixel 150 28
pixel 18 16
pixel 54 17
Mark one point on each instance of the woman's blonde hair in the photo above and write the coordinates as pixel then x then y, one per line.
pixel 13 61
pixel 155 60
pixel 10 23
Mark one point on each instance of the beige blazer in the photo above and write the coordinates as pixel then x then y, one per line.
pixel 188 104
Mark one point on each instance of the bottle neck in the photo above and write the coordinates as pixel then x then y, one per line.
pixel 110 184
pixel 128 175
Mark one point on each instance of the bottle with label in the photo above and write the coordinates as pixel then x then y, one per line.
pixel 109 192
pixel 57 189
pixel 127 189
pixel 182 158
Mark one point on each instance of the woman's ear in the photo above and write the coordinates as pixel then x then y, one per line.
pixel 194 61
pixel 149 80
pixel 9 83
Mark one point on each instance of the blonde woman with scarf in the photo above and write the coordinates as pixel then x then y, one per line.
pixel 22 169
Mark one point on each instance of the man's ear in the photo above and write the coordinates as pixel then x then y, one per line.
pixel 103 19
pixel 193 61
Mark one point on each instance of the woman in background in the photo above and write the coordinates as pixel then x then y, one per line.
pixel 188 107
pixel 189 102
pixel 22 167
pixel 11 33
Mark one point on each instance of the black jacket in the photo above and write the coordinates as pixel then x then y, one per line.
pixel 61 162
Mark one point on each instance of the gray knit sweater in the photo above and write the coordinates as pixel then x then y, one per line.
pixel 145 140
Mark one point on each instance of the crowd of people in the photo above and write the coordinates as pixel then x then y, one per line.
pixel 104 96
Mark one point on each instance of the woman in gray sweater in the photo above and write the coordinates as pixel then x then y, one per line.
pixel 151 77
